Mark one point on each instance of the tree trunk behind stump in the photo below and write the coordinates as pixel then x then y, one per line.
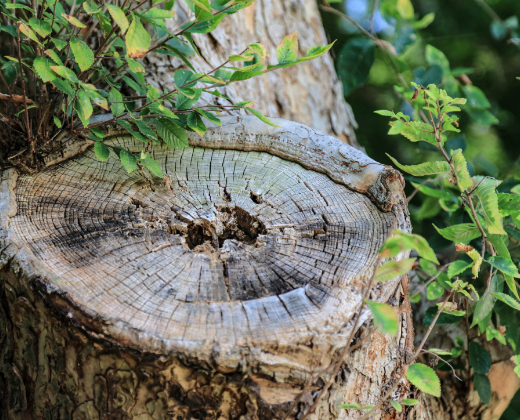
pixel 216 293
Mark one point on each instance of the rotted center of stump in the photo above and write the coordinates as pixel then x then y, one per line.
pixel 231 223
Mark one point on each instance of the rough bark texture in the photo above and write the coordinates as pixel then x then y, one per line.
pixel 309 93
pixel 216 293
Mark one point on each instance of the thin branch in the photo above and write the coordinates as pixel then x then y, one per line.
pixel 29 134
pixel 439 357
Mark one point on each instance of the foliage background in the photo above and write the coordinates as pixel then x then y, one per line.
pixel 479 35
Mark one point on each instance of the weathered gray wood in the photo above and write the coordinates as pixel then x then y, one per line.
pixel 240 266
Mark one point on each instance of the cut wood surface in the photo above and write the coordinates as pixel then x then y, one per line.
pixel 239 259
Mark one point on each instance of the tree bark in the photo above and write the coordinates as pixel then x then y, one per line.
pixel 223 291
pixel 309 93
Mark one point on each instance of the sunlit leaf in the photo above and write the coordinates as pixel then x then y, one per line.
pixel 385 317
pixel 119 17
pixel 427 168
pixel 392 269
pixel 137 40
pixel 287 49
pixel 424 378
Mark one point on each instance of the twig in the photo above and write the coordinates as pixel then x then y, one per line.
pixel 439 357
pixel 375 4
pixel 29 134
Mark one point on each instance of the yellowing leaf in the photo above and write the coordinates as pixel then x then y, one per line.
pixel 73 21
pixel 137 40
pixel 119 17
pixel 392 269
pixel 405 9
pixel 385 317
pixel 287 49
pixel 461 170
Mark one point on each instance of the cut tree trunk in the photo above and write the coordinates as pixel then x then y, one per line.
pixel 217 292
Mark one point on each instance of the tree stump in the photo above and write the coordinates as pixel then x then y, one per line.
pixel 217 292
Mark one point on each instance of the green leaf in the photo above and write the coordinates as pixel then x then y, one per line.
pixel 54 57
pixel 427 168
pixel 424 378
pixel 135 66
pixel 479 358
pixel 151 164
pixel 434 291
pixel 385 113
pixel 287 49
pixel 487 204
pixel 146 131
pixel 507 300
pixel 409 401
pixel 385 317
pixel 505 265
pixel 483 387
pixel 476 98
pixel 401 241
pixel 261 117
pixel 315 52
pixel 398 407
pixel 432 192
pixel 482 309
pixel 354 63
pixel 182 102
pixel 17 6
pixel 42 67
pixel 57 121
pixel 117 108
pixel 244 75
pixel 461 170
pixel 59 43
pixel 102 151
pixel 482 116
pixel 196 124
pixel 396 127
pixel 73 21
pixel 458 267
pixel 425 21
pixel 128 127
pixel 128 160
pixel 91 8
pixel 392 269
pixel 508 203
pixel 440 352
pixel 137 40
pixel 350 406
pixel 437 57
pixel 66 73
pixel 41 27
pixel 464 232
pixel 405 9
pixel 83 107
pixel 173 135
pixel 119 17
pixel 428 267
pixel 209 116
pixel 64 87
pixel 82 53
